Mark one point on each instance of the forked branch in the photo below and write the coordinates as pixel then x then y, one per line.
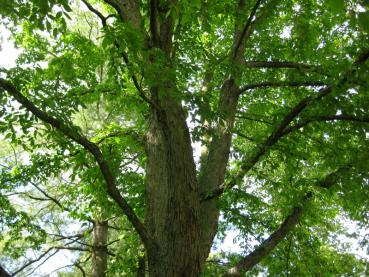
pixel 281 128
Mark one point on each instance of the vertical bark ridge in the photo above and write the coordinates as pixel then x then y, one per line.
pixel 172 193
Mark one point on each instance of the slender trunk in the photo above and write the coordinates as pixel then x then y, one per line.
pixel 100 251
pixel 172 193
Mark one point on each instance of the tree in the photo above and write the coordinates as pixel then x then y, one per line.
pixel 274 91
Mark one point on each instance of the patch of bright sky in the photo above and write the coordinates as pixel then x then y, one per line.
pixel 8 54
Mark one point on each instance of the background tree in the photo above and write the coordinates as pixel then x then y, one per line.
pixel 274 91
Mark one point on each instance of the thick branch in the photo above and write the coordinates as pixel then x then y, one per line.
pixel 153 24
pixel 268 245
pixel 133 16
pixel 261 149
pixel 72 133
pixel 124 55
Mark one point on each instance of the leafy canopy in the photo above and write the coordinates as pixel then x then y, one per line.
pixel 89 69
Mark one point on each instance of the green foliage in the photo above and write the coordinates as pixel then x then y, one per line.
pixel 73 68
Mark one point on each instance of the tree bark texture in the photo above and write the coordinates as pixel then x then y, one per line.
pixel 213 169
pixel 100 251
pixel 173 202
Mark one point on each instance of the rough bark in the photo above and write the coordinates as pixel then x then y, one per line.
pixel 172 193
pixel 100 250
pixel 173 201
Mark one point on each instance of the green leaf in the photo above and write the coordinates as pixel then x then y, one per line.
pixel 336 6
pixel 55 32
pixel 67 7
pixel 58 14
pixel 363 19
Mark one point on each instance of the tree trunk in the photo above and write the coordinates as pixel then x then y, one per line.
pixel 100 251
pixel 173 201
pixel 213 169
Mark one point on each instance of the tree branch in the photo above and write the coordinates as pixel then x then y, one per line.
pixel 153 24
pixel 77 265
pixel 278 132
pixel 262 148
pixel 268 245
pixel 72 248
pixel 128 10
pixel 245 28
pixel 119 7
pixel 33 261
pixel 325 118
pixel 135 81
pixel 72 133
pixel 95 11
pixel 282 84
pixel 278 64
